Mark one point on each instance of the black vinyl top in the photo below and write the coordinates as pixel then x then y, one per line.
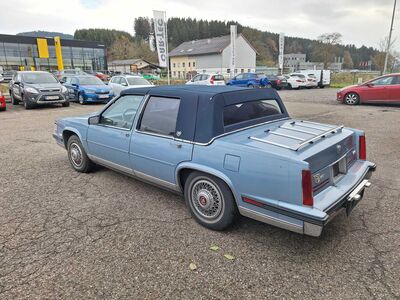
pixel 200 116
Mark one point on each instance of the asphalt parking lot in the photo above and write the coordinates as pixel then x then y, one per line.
pixel 65 235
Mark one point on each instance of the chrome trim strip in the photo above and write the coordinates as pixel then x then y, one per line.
pixel 298 130
pixel 157 181
pixel 321 135
pixel 286 135
pixel 270 220
pixel 111 165
pixel 115 127
pixel 269 142
pixel 318 124
pixel 135 174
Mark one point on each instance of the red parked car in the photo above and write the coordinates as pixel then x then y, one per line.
pixel 2 102
pixel 384 89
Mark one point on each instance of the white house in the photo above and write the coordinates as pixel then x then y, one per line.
pixel 212 55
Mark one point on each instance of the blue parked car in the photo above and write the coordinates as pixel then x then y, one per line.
pixel 250 80
pixel 229 151
pixel 88 88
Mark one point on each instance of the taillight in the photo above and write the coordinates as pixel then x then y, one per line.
pixel 298 80
pixel 362 148
pixel 278 82
pixel 212 79
pixel 306 184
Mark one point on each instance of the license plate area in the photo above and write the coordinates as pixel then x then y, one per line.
pixel 103 96
pixel 52 97
pixel 339 169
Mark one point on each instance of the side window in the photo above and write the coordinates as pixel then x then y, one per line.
pixel 160 116
pixel 74 81
pixel 383 81
pixel 204 77
pixel 67 80
pixel 122 112
pixel 123 81
pixel 239 77
pixel 196 78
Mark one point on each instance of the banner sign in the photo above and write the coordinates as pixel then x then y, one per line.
pixel 281 49
pixel 233 49
pixel 43 49
pixel 161 33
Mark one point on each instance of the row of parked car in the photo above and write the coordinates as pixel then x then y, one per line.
pixel 32 88
pixel 304 79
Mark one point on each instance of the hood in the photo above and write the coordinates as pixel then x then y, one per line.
pixel 56 85
pixel 81 119
pixel 97 88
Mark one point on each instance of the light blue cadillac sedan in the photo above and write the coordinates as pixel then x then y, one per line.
pixel 229 151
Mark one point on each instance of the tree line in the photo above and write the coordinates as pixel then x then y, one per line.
pixel 324 49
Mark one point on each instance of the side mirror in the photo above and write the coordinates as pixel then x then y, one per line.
pixel 74 84
pixel 369 84
pixel 94 120
pixel 124 84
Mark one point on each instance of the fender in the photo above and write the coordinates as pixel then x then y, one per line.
pixel 74 130
pixel 208 170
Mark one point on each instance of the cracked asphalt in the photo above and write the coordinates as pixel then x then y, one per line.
pixel 65 235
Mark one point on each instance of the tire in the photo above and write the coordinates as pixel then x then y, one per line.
pixel 268 86
pixel 278 88
pixel 250 86
pixel 77 156
pixel 351 99
pixel 13 100
pixel 80 99
pixel 65 104
pixel 289 86
pixel 210 201
pixel 27 104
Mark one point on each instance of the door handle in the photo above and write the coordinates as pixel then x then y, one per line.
pixel 177 145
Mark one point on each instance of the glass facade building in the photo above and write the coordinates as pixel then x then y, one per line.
pixel 17 52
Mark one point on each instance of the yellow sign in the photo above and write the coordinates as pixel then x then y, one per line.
pixel 57 44
pixel 42 47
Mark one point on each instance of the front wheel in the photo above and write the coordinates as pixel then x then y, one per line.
pixel 65 104
pixel 80 99
pixel 351 99
pixel 250 86
pixel 77 155
pixel 13 100
pixel 210 201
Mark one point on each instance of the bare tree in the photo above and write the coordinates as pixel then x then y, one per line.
pixel 325 51
pixel 379 58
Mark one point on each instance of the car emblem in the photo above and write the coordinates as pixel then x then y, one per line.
pixel 338 148
pixel 317 178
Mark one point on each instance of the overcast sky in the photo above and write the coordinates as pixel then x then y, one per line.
pixel 359 21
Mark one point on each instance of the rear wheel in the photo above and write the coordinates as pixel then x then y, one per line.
pixel 210 201
pixel 352 99
pixel 65 104
pixel 250 86
pixel 77 155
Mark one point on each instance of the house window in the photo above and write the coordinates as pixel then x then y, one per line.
pixel 189 64
pixel 228 71
pixel 174 73
pixel 249 70
pixel 174 65
pixel 183 65
pixel 179 65
pixel 194 64
pixel 179 74
pixel 242 71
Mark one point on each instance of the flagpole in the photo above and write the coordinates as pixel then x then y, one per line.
pixel 389 39
pixel 166 43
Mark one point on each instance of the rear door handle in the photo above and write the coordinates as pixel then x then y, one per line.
pixel 177 145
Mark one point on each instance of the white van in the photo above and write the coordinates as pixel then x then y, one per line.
pixel 323 76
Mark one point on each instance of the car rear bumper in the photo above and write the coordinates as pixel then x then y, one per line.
pixel 309 224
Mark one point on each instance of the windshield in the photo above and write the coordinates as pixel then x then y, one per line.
pixel 90 81
pixel 33 78
pixel 137 81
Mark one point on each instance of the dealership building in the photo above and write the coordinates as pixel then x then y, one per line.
pixel 23 53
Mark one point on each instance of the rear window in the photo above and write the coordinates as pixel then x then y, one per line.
pixel 219 78
pixel 234 114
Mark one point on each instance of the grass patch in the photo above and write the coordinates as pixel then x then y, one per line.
pixel 4 88
pixel 340 80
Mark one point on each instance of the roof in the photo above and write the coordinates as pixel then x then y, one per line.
pixel 201 109
pixel 130 62
pixel 204 46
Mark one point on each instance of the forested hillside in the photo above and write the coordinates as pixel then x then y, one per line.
pixel 186 29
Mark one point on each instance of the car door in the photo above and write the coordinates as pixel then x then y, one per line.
pixel 393 90
pixel 238 80
pixel 115 86
pixel 204 79
pixel 73 87
pixel 109 140
pixel 155 149
pixel 17 86
pixel 376 90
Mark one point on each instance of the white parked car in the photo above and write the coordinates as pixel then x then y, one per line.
pixel 296 81
pixel 311 79
pixel 323 76
pixel 1 78
pixel 207 79
pixel 123 82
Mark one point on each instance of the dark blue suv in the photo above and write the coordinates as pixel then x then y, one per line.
pixel 250 80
